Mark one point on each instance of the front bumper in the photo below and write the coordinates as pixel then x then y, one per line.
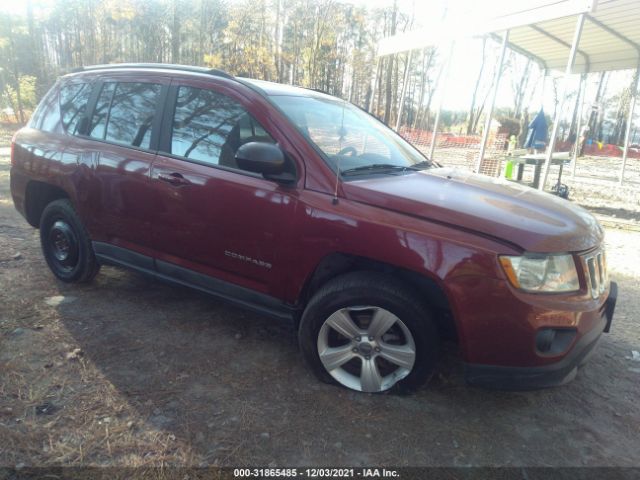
pixel 559 373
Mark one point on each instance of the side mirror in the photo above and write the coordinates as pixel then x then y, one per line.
pixel 265 158
pixel 260 157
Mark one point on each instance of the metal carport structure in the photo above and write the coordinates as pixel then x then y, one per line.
pixel 577 36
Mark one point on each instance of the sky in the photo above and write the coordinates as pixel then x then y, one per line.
pixel 18 6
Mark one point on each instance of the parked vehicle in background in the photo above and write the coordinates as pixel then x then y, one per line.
pixel 301 206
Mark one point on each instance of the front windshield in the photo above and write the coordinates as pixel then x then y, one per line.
pixel 353 141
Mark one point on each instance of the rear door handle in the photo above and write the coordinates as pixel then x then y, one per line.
pixel 176 179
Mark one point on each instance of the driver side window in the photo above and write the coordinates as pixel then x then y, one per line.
pixel 209 127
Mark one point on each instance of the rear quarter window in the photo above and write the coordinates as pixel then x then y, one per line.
pixel 73 106
pixel 47 115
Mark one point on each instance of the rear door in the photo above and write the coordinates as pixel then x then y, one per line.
pixel 115 150
pixel 210 216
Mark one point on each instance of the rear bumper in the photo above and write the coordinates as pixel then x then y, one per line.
pixel 559 373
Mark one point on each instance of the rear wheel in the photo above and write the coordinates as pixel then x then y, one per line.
pixel 65 243
pixel 369 333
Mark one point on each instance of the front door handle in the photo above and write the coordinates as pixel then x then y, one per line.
pixel 176 179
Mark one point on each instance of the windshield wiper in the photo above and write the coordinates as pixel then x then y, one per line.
pixel 378 168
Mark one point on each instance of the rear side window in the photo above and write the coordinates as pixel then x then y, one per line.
pixel 209 127
pixel 73 106
pixel 132 110
pixel 124 113
pixel 101 110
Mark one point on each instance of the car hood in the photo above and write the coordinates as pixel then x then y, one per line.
pixel 533 220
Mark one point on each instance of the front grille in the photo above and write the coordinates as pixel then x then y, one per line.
pixel 596 273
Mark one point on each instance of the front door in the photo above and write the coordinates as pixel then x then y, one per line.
pixel 210 216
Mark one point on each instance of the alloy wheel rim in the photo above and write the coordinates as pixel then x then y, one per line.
pixel 366 348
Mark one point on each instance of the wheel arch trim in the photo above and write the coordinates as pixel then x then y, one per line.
pixel 39 194
pixel 425 284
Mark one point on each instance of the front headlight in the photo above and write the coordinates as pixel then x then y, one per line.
pixel 541 273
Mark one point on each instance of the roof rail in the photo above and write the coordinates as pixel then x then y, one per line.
pixel 319 90
pixel 164 66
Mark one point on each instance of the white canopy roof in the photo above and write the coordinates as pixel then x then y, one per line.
pixel 610 39
pixel 543 30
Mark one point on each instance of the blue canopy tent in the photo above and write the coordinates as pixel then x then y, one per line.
pixel 538 132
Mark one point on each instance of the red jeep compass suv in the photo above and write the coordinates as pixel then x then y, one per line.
pixel 301 206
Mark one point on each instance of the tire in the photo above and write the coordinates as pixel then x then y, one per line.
pixel 388 321
pixel 66 245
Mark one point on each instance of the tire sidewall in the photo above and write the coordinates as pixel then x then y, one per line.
pixel 414 315
pixel 62 210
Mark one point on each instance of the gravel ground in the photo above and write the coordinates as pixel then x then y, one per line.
pixel 131 372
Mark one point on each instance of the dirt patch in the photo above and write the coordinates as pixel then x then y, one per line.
pixel 130 372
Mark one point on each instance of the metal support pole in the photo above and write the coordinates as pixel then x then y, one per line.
pixel 627 133
pixel 576 146
pixel 556 121
pixel 443 77
pixel 404 90
pixel 494 94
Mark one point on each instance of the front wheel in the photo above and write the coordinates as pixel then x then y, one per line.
pixel 65 243
pixel 369 333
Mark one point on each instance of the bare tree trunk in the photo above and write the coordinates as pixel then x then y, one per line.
pixel 621 119
pixel 573 134
pixel 16 74
pixel 278 41
pixel 175 33
pixel 79 42
pixel 104 35
pixel 593 117
pixel 201 30
pixel 522 87
pixel 375 85
pixel 471 122
pixel 601 111
pixel 36 52
pixel 424 85
pixel 380 83
pixel 92 32
pixel 524 124
pixel 390 68
pixel 556 100
pixel 574 117
pixel 394 89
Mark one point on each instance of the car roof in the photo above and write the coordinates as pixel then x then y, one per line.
pixel 164 67
pixel 276 89
pixel 263 86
